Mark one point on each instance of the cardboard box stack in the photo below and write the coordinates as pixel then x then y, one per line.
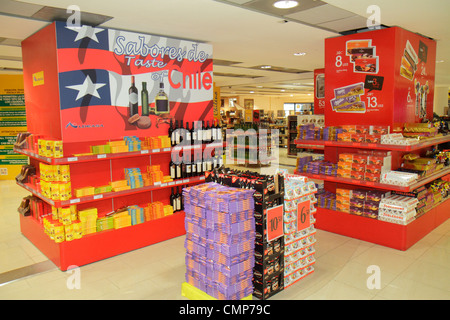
pixel 220 235
pixel 299 244
pixel 398 209
pixel 268 276
pixel 364 165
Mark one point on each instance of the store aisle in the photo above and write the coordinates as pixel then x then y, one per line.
pixel 157 271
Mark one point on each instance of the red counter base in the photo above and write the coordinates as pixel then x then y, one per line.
pixel 102 245
pixel 379 232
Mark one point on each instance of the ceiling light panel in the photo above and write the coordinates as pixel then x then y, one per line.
pixel 320 14
pixel 351 23
pixel 59 14
pixel 266 6
pixel 19 8
pixel 285 4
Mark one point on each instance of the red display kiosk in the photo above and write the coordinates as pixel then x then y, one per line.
pixel 86 86
pixel 379 78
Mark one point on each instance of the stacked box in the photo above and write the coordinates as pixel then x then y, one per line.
pixel 397 209
pixel 326 199
pixel 422 195
pixel 220 235
pixel 299 244
pixel 268 275
pixel 134 178
pixel 133 143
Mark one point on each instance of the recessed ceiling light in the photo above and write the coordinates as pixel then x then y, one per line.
pixel 439 61
pixel 285 4
pixel 252 91
pixel 299 54
pixel 266 67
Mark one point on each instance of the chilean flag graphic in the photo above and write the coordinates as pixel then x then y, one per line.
pixel 96 67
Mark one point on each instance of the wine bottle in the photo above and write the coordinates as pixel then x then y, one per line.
pixel 171 134
pixel 161 101
pixel 204 165
pixel 144 100
pixel 172 200
pixel 188 173
pixel 200 131
pixel 133 107
pixel 182 132
pixel 173 172
pixel 178 169
pixel 177 133
pixel 206 133
pixel 193 166
pixel 194 133
pixel 219 132
pixel 214 131
pixel 181 198
pixel 178 200
pixel 188 135
pixel 199 167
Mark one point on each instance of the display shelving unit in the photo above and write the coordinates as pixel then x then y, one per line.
pixel 392 235
pixel 60 108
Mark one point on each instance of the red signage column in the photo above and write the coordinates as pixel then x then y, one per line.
pixel 381 77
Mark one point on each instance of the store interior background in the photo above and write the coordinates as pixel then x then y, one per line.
pixel 246 36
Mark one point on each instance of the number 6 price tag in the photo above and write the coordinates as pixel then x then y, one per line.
pixel 303 215
pixel 274 223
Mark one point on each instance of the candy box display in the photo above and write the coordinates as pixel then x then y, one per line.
pixel 219 240
pixel 268 255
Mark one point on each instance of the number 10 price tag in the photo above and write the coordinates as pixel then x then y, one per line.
pixel 274 223
pixel 303 215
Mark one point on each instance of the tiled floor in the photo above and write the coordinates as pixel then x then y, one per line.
pixel 157 271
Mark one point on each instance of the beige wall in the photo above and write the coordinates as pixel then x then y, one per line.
pixel 440 99
pixel 270 103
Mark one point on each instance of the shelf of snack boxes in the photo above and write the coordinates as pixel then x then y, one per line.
pixel 414 144
pixel 102 244
pixel 106 156
pixel 108 195
pixel 378 185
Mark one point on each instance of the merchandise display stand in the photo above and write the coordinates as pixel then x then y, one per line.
pixel 299 230
pixel 378 92
pixel 88 98
pixel 268 272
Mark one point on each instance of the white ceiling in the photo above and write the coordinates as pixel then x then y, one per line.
pixel 249 32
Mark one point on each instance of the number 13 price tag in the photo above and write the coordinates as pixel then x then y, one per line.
pixel 274 223
pixel 303 215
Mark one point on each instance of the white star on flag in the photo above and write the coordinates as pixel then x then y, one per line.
pixel 86 32
pixel 87 87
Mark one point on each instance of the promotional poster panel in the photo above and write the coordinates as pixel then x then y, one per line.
pixel 12 122
pixel 116 83
pixel 319 91
pixel 365 78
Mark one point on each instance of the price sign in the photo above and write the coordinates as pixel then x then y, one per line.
pixel 303 215
pixel 275 223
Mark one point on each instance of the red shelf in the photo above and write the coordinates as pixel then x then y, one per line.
pixel 102 245
pixel 400 237
pixel 375 146
pixel 110 195
pixel 107 156
pixel 377 185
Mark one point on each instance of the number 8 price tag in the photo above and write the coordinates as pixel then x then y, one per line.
pixel 303 215
pixel 274 223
